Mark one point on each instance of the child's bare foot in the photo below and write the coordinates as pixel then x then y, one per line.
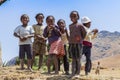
pixel 70 76
pixel 20 68
pixel 55 73
pixel 48 72
pixel 30 69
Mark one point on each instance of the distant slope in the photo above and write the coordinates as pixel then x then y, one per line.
pixel 106 49
pixel 110 62
pixel 105 45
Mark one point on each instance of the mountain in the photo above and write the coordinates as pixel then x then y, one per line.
pixel 11 62
pixel 106 49
pixel 106 44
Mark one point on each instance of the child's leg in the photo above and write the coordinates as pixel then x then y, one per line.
pixel 22 63
pixel 29 64
pixel 66 64
pixel 88 64
pixel 29 56
pixel 98 71
pixel 73 66
pixel 22 55
pixel 58 65
pixel 78 66
pixel 49 63
pixel 33 59
pixel 40 61
pixel 65 60
pixel 55 61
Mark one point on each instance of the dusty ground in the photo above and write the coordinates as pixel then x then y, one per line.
pixel 12 73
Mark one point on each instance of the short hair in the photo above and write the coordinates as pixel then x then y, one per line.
pixel 24 15
pixel 60 20
pixel 50 16
pixel 39 15
pixel 76 13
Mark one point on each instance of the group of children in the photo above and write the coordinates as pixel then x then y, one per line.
pixel 78 38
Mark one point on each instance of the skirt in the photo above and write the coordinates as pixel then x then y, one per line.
pixel 57 47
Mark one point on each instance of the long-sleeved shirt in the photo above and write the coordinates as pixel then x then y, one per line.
pixel 52 34
pixel 90 35
pixel 77 33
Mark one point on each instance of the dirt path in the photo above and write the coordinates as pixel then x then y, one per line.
pixel 12 73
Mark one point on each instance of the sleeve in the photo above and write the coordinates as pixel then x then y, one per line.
pixel 83 31
pixel 57 31
pixel 94 36
pixel 32 30
pixel 17 30
pixel 45 33
pixel 67 33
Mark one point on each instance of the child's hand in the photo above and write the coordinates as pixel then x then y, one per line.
pixel 50 26
pixel 23 38
pixel 95 31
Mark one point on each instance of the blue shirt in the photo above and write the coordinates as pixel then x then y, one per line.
pixel 52 34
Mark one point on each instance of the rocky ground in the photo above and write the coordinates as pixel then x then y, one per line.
pixel 13 73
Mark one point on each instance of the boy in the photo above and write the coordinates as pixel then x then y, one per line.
pixel 86 22
pixel 98 69
pixel 24 33
pixel 77 34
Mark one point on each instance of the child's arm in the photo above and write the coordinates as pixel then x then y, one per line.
pixel 29 36
pixel 46 31
pixel 67 34
pixel 18 36
pixel 57 30
pixel 95 31
pixel 83 32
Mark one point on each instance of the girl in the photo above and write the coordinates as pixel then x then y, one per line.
pixel 39 44
pixel 56 46
pixel 64 36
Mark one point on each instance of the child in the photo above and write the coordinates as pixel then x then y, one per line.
pixel 56 46
pixel 86 22
pixel 24 33
pixel 98 69
pixel 77 34
pixel 64 36
pixel 39 44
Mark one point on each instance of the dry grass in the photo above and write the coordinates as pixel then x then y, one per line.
pixel 10 73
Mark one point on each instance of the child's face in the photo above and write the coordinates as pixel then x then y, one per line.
pixel 25 20
pixel 61 24
pixel 50 21
pixel 39 19
pixel 88 24
pixel 74 17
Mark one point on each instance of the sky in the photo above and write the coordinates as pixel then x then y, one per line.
pixel 105 15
